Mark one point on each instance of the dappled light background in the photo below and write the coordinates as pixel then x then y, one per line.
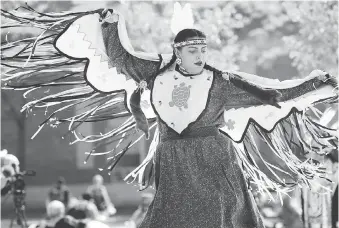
pixel 281 40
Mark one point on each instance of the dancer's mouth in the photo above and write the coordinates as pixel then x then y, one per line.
pixel 198 63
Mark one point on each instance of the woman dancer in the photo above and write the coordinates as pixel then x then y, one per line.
pixel 203 154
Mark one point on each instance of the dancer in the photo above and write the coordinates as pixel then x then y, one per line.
pixel 203 153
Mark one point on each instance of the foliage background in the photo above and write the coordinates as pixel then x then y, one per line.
pixel 275 39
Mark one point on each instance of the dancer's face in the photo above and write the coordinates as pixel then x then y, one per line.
pixel 193 57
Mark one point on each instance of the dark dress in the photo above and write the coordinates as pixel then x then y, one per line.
pixel 199 181
pixel 198 177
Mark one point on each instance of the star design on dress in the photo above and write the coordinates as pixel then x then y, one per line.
pixel 230 124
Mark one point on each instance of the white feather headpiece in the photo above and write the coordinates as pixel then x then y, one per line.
pixel 182 18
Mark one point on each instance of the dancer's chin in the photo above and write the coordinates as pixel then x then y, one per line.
pixel 195 69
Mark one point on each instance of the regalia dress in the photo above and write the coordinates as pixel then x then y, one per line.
pixel 199 181
pixel 198 178
pixel 204 158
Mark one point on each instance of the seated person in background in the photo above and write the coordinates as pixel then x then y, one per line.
pixel 59 192
pixel 100 196
pixel 84 209
pixel 75 211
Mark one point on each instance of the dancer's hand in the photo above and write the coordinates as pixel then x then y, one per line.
pixel 321 75
pixel 108 15
pixel 325 77
pixel 330 80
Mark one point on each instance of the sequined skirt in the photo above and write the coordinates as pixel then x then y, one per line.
pixel 200 185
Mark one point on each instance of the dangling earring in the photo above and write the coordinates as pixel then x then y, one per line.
pixel 178 60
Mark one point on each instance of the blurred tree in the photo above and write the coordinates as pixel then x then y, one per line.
pixel 305 32
pixel 316 43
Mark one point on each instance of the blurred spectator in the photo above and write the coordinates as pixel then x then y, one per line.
pixel 9 165
pixel 56 218
pixel 84 209
pixel 100 196
pixel 55 212
pixel 140 213
pixel 73 201
pixel 59 192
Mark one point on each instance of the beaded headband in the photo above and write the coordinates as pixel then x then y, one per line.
pixel 189 42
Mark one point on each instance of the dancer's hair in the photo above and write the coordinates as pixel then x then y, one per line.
pixel 184 35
